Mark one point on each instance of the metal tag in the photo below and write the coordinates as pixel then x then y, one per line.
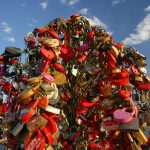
pixel 130 126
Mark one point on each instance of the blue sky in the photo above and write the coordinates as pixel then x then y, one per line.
pixel 126 20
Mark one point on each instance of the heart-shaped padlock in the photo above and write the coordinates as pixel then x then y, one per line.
pixel 47 54
pixel 123 115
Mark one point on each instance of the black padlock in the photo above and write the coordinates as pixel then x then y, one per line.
pixel 13 51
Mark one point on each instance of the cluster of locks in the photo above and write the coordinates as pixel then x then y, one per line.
pixel 77 89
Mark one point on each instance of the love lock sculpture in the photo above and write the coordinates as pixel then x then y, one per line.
pixel 78 89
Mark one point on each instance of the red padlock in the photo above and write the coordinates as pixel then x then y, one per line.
pixel 59 67
pixel 43 103
pixel 82 57
pixel 67 53
pixel 124 94
pixel 51 125
pixel 111 58
pixel 36 143
pixel 120 82
pixel 48 135
pixel 6 87
pixel 74 16
pixel 143 86
pixel 135 71
pixel 47 54
pixel 30 113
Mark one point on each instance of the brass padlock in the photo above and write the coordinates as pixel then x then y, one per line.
pixel 132 142
pixel 34 80
pixel 36 121
pixel 140 136
pixel 27 93
pixel 138 78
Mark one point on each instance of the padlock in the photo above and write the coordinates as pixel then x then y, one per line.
pixel 132 142
pixel 110 125
pixel 25 115
pixel 52 109
pixel 107 90
pixel 27 93
pixel 114 50
pixel 58 67
pixel 51 42
pixel 13 51
pixel 29 37
pixel 140 136
pixel 36 121
pixel 138 79
pixel 36 143
pixel 124 94
pixel 51 123
pixel 74 70
pixel 123 115
pixel 82 57
pixel 133 125
pixel 43 66
pixel 120 82
pixel 43 103
pixel 135 71
pixel 47 54
pixel 48 78
pixel 34 80
pixel 59 78
pixel 107 104
pixel 17 129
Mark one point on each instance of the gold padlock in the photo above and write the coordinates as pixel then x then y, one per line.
pixel 116 70
pixel 140 136
pixel 49 147
pixel 34 80
pixel 51 42
pixel 59 78
pixel 29 92
pixel 132 142
pixel 138 78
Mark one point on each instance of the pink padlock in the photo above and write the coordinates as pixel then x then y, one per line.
pixel 48 78
pixel 123 115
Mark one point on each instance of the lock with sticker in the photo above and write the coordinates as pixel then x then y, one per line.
pixel 35 122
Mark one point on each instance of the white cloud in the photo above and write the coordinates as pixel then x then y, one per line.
pixel 6 28
pixel 114 2
pixel 10 39
pixel 72 2
pixel 142 32
pixel 44 5
pixel 4 23
pixel 83 11
pixel 110 32
pixel 94 21
pixel 69 2
pixel 147 9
